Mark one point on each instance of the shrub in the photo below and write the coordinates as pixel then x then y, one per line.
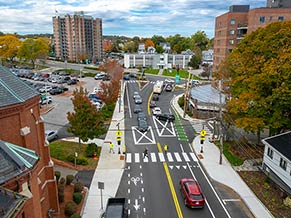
pixel 75 215
pixel 77 197
pixel 70 208
pixel 91 148
pixel 61 188
pixel 82 161
pixel 78 187
pixel 61 196
pixel 181 101
pixel 57 175
pixel 62 181
pixel 287 202
pixel 69 179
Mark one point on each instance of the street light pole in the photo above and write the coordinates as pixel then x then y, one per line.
pixel 220 126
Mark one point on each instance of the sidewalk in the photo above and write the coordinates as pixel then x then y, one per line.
pixel 109 169
pixel 224 173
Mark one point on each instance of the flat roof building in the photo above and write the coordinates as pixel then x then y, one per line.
pixel 231 27
pixel 78 37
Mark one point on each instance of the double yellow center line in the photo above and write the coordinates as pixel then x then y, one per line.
pixel 174 195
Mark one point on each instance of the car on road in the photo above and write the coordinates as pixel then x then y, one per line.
pixel 153 104
pixel 155 97
pixel 191 192
pixel 141 116
pixel 157 111
pixel 169 88
pixel 166 117
pixel 135 94
pixel 138 100
pixel 126 77
pixel 51 135
pixel 142 125
pixel 132 75
pixel 137 109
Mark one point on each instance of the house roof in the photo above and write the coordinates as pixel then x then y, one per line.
pixel 10 202
pixel 12 89
pixel 14 160
pixel 281 143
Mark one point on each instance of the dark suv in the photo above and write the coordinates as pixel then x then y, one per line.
pixel 166 117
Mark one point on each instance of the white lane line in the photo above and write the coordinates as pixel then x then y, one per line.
pixel 177 156
pixel 193 157
pixel 185 157
pixel 161 156
pixel 153 157
pixel 170 158
pixel 128 103
pixel 136 157
pixel 128 158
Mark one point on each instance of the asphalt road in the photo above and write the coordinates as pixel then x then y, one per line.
pixel 151 185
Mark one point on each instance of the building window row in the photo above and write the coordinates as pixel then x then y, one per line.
pixel 283 163
pixel 270 152
pixel 262 19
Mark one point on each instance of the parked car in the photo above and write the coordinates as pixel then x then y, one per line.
pixel 45 100
pixel 132 75
pixel 141 116
pixel 157 111
pixel 93 96
pixel 50 135
pixel 56 90
pixel 142 125
pixel 166 117
pixel 45 89
pixel 126 77
pixel 72 81
pixel 155 97
pixel 153 104
pixel 100 75
pixel 106 77
pixel 137 109
pixel 138 100
pixel 192 193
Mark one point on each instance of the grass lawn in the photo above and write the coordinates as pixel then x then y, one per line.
pixel 64 151
pixel 151 71
pixel 173 72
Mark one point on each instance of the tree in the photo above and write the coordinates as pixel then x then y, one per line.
pixel 194 62
pixel 32 49
pixel 206 71
pixel 200 40
pixel 159 49
pixel 260 79
pixel 85 122
pixel 149 43
pixel 157 40
pixel 9 45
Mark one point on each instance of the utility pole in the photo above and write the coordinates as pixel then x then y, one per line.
pixel 186 95
pixel 220 126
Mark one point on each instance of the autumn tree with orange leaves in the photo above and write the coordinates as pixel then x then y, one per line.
pixel 9 45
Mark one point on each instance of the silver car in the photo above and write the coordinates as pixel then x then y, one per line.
pixel 51 135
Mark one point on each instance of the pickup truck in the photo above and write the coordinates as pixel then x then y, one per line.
pixel 116 208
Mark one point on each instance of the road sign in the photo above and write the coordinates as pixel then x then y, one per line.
pixel 177 77
pixel 118 133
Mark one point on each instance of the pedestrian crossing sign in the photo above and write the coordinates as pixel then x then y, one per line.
pixel 203 132
pixel 118 133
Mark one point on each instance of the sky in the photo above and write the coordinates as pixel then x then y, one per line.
pixel 143 18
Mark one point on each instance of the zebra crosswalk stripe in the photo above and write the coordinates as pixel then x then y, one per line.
pixel 185 157
pixel 153 157
pixel 177 156
pixel 161 156
pixel 170 158
pixel 136 157
pixel 193 157
pixel 128 158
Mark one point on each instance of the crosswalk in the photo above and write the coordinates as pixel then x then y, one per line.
pixel 153 157
pixel 135 81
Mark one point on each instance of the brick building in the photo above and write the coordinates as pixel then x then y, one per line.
pixel 78 37
pixel 231 27
pixel 21 125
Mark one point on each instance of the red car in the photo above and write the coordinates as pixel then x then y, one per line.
pixel 191 193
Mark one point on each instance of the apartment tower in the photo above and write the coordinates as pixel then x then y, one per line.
pixel 78 37
pixel 231 27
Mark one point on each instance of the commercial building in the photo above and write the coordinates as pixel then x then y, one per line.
pixel 157 61
pixel 78 37
pixel 231 27
pixel 26 169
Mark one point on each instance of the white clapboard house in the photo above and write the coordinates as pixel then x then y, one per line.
pixel 277 159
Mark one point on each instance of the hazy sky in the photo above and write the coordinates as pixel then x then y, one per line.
pixel 143 18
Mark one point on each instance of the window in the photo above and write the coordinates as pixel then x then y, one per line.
pixel 231 32
pixel 270 18
pixel 232 21
pixel 283 163
pixel 280 18
pixel 262 19
pixel 231 41
pixel 270 153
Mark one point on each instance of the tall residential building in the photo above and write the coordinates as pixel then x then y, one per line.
pixel 78 37
pixel 231 27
